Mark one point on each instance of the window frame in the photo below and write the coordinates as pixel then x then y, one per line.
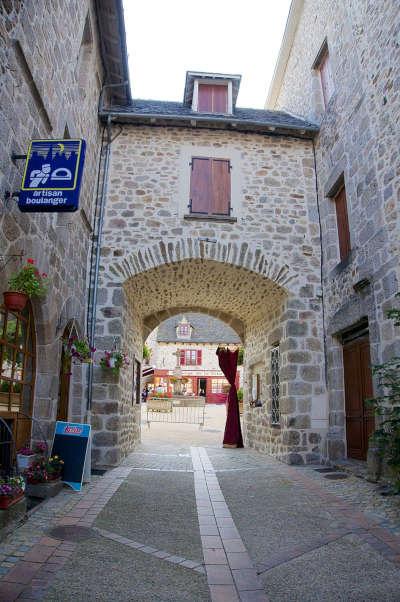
pixel 212 82
pixel 194 356
pixel 342 221
pixel 275 367
pixel 323 65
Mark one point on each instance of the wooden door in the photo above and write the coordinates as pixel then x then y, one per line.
pixel 358 387
pixel 63 393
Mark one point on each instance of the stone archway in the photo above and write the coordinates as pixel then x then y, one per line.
pixel 265 302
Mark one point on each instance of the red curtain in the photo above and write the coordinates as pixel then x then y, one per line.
pixel 228 363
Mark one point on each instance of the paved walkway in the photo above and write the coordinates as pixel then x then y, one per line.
pixel 184 520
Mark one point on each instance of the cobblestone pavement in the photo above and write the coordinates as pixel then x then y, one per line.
pixel 184 520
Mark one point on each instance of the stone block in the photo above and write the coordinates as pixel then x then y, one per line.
pixel 296 329
pixel 294 459
pixel 310 373
pixel 291 438
pixel 105 439
pixel 301 421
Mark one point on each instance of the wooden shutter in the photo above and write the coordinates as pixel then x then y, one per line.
pixel 200 185
pixel 220 99
pixel 342 223
pixel 198 357
pixel 182 357
pixel 205 101
pixel 221 187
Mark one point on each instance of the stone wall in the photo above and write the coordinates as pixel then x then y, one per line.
pixel 260 273
pixel 358 139
pixel 50 79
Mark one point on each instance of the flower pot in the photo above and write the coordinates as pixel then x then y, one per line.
pixel 24 462
pixel 45 489
pixel 14 300
pixel 6 501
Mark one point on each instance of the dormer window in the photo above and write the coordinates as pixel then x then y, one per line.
pixel 211 92
pixel 184 329
pixel 212 98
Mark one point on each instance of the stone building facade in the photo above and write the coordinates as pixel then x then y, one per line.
pixel 357 147
pixel 54 59
pixel 189 342
pixel 257 269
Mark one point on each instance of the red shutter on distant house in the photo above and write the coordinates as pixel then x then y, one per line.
pixel 200 185
pixel 182 357
pixel 212 99
pixel 221 187
pixel 198 357
pixel 342 223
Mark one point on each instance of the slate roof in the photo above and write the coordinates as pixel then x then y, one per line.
pixel 160 112
pixel 206 329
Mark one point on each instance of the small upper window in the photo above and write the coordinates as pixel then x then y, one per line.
pixel 323 66
pixel 183 330
pixel 213 98
pixel 342 223
pixel 210 186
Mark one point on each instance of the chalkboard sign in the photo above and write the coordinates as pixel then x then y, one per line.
pixel 71 443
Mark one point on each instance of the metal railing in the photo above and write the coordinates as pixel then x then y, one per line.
pixel 178 410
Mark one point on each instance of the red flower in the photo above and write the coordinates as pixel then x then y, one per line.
pixel 30 260
pixel 44 275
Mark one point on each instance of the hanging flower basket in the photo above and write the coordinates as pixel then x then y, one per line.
pixel 78 349
pixel 114 361
pixel 27 282
pixel 11 491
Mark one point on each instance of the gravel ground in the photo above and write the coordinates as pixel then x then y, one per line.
pixel 158 509
pixel 103 570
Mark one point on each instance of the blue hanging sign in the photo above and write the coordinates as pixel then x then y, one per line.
pixel 52 175
pixel 71 444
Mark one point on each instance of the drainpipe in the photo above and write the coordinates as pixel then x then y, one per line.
pixel 321 267
pixel 97 238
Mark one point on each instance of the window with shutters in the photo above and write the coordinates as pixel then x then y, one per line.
pixel 190 357
pixel 210 187
pixel 342 223
pixel 212 98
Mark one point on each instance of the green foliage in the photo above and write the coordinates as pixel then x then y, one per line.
pixel 29 281
pixel 240 394
pixel 240 356
pixel 146 352
pixel 387 407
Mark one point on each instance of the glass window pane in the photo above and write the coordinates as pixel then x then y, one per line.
pixel 19 365
pixel 20 338
pixel 7 360
pixel 2 315
pixel 11 327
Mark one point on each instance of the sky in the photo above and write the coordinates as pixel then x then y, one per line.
pixel 166 38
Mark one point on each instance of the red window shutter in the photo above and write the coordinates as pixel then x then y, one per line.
pixel 198 357
pixel 342 223
pixel 220 99
pixel 221 187
pixel 182 357
pixel 200 185
pixel 205 100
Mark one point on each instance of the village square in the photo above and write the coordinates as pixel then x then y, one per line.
pixel 200 331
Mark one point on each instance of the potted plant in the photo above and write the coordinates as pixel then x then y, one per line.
pixel 11 491
pixel 78 349
pixel 27 282
pixel 43 477
pixel 114 361
pixel 27 456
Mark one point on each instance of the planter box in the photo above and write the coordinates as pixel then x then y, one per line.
pixel 10 517
pixel 44 490
pixel 24 462
pixel 6 501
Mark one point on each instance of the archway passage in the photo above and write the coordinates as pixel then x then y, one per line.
pixel 265 315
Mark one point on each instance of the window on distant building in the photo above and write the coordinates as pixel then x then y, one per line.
pixel 342 222
pixel 219 385
pixel 183 329
pixel 212 98
pixel 210 186
pixel 323 65
pixel 190 357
